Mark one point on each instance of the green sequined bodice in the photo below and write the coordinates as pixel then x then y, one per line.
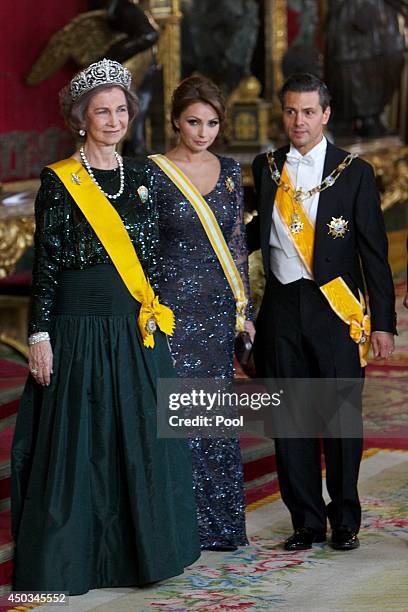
pixel 65 240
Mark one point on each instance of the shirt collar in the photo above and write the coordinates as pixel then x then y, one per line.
pixel 318 152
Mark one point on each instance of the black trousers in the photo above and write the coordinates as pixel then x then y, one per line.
pixel 299 336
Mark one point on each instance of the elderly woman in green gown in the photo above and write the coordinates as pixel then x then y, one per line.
pixel 97 499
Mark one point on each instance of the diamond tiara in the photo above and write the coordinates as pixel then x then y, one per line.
pixel 105 72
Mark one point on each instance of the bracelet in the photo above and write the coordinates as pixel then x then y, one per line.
pixel 38 337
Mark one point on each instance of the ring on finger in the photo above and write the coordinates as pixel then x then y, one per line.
pixel 34 371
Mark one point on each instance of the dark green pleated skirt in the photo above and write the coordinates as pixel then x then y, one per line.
pixel 97 499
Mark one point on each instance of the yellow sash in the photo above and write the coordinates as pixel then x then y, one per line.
pixel 108 226
pixel 337 293
pixel 212 230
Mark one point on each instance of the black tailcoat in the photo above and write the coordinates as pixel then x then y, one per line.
pixel 355 197
pixel 300 336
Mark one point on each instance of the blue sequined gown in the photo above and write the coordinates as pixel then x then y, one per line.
pixel 193 283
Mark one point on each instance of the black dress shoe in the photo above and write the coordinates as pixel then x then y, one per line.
pixel 303 538
pixel 344 539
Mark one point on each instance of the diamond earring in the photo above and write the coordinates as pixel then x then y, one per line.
pixel 82 132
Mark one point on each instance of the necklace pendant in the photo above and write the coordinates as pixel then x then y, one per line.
pixel 297 225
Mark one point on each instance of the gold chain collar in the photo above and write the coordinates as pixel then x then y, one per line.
pixel 299 195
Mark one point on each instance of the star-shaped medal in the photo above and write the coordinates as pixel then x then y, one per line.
pixel 338 227
pixel 297 225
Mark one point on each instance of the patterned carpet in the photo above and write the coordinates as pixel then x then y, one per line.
pixel 386 389
pixel 262 576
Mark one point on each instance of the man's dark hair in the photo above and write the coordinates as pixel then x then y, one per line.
pixel 303 81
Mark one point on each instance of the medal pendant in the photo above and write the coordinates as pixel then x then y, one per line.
pixel 297 225
pixel 151 326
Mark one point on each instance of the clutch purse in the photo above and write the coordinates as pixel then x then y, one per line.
pixel 243 347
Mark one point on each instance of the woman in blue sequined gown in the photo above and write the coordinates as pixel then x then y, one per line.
pixel 193 283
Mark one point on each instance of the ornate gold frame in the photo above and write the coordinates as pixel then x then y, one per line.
pixel 16 235
pixel 276 43
pixel 169 55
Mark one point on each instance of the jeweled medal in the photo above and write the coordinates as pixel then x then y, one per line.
pixel 338 227
pixel 151 326
pixel 297 225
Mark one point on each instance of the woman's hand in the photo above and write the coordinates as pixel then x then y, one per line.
pixel 250 328
pixel 40 360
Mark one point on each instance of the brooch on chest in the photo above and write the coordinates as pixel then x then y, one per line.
pixel 75 178
pixel 229 184
pixel 338 227
pixel 143 194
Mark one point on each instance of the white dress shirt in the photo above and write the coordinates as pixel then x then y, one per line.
pixel 305 172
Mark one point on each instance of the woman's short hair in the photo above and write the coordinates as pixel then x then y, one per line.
pixel 196 89
pixel 74 113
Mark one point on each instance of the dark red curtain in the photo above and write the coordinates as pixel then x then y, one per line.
pixel 25 112
pixel 293 25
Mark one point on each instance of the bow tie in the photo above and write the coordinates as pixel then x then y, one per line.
pixel 299 159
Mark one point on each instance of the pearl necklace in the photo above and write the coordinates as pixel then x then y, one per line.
pixel 91 174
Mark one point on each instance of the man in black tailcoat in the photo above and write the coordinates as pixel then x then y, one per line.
pixel 304 207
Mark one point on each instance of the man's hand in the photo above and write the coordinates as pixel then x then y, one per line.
pixel 40 360
pixel 382 344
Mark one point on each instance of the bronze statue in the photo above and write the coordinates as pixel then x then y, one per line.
pixel 219 38
pixel 364 60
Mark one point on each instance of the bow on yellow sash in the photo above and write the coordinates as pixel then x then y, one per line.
pixel 108 226
pixel 360 332
pixel 340 297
